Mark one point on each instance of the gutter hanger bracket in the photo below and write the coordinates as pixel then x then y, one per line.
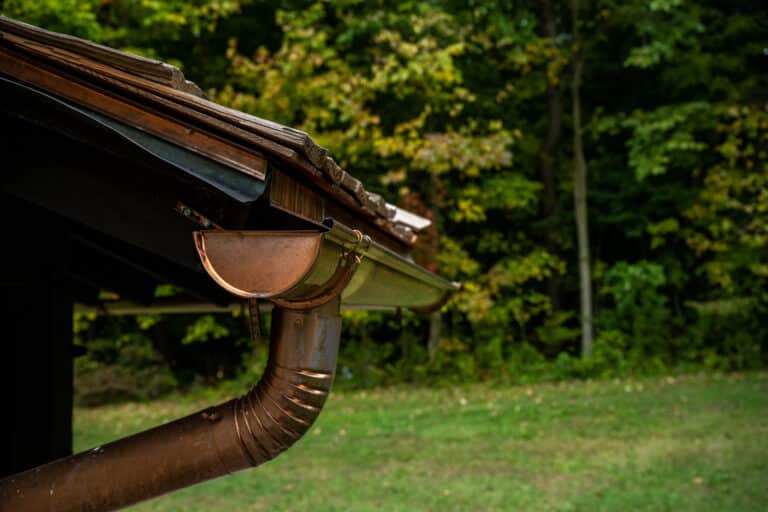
pixel 349 262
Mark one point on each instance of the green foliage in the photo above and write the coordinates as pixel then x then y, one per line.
pixel 668 28
pixel 444 107
pixel 147 356
pixel 555 330
pixel 127 367
pixel 640 325
pixel 635 285
pixel 665 137
pixel 125 22
pixel 204 328
pixel 730 215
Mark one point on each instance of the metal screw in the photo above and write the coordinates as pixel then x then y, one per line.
pixel 211 415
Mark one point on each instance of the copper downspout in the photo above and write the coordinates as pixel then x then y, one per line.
pixel 238 434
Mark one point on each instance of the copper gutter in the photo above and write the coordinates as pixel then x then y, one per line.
pixel 253 265
pixel 235 435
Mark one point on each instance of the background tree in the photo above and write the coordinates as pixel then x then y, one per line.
pixel 467 112
pixel 580 186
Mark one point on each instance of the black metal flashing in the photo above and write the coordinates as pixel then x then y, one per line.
pixel 76 122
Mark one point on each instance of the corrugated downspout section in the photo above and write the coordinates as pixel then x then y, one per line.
pixel 298 378
pixel 223 439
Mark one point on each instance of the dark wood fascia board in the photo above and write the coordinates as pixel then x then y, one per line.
pixel 288 192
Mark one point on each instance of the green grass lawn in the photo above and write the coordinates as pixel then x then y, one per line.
pixel 697 443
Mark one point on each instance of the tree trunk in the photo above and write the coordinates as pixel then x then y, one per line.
pixel 548 153
pixel 433 340
pixel 580 191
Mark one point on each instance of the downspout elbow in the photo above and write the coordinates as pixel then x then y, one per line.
pixel 292 391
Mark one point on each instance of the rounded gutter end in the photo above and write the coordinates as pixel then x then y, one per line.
pixel 253 264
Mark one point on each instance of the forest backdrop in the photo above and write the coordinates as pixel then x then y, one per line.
pixel 596 171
